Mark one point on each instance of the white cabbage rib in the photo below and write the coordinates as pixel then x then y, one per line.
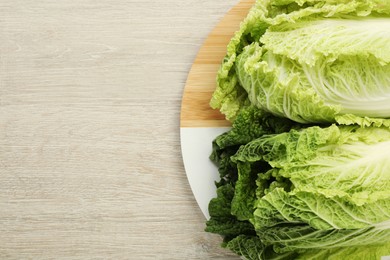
pixel 360 85
pixel 346 61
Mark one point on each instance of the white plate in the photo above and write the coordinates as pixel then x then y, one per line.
pixel 196 146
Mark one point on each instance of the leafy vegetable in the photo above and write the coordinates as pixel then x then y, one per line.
pixel 310 61
pixel 313 191
pixel 305 169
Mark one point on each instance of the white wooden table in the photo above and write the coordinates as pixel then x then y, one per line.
pixel 90 162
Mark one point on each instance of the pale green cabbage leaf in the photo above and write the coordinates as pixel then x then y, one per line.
pixel 310 61
pixel 319 191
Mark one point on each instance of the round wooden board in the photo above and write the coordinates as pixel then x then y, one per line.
pixel 201 81
pixel 199 124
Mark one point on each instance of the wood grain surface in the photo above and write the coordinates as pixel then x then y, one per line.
pixel 90 96
pixel 201 82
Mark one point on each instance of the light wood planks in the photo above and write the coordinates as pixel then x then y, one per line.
pixel 201 82
pixel 90 161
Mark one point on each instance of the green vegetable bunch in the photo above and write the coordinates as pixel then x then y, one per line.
pixel 309 61
pixel 305 169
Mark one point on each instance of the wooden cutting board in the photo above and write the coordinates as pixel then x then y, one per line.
pixel 201 81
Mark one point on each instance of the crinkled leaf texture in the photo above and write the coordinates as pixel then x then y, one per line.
pixel 310 61
pixel 332 184
pixel 312 71
pixel 289 189
pixel 347 161
pixel 303 192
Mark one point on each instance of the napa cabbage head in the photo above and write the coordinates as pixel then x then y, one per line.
pixel 292 191
pixel 326 187
pixel 309 61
